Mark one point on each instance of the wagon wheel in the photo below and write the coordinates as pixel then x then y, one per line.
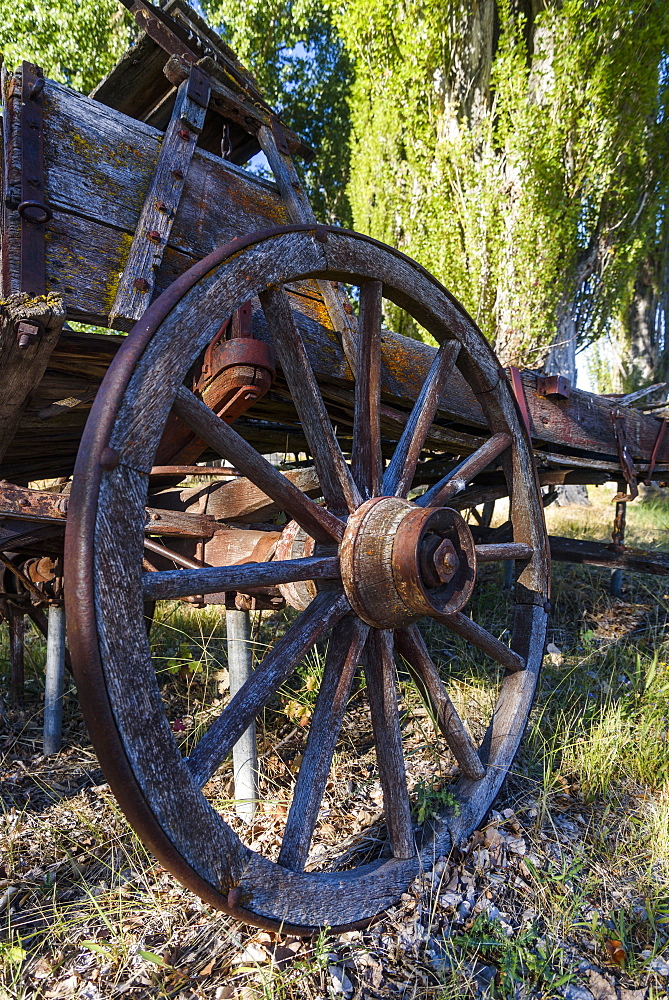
pixel 381 563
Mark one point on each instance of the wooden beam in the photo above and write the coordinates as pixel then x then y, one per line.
pixel 22 367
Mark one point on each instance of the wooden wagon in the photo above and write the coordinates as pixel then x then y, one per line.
pixel 131 210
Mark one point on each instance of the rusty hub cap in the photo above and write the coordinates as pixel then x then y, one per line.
pixel 400 562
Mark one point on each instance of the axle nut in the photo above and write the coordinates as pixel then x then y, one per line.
pixel 445 560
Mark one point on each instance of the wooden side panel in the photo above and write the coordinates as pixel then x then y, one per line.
pixel 99 164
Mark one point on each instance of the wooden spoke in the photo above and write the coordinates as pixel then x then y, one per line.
pixel 503 550
pixel 344 652
pixel 382 693
pixel 399 474
pixel 410 644
pixel 457 479
pixel 316 521
pixel 483 640
pixel 340 492
pixel 216 579
pixel 366 453
pixel 323 612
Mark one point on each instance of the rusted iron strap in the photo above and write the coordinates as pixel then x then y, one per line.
pixel 521 399
pixel 33 210
pixel 656 448
pixel 625 457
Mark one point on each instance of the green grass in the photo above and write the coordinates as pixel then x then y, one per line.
pixel 595 758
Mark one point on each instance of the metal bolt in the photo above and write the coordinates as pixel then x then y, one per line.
pixel 161 206
pixel 153 235
pixel 183 133
pixel 141 284
pixel 27 334
pixel 445 560
pixel 178 175
pixel 109 459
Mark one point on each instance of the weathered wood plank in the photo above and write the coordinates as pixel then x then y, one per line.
pixel 315 520
pixel 400 472
pixel 411 645
pixel 366 458
pixel 217 579
pixel 591 553
pixel 161 205
pixel 242 500
pixel 23 367
pixel 339 489
pixel 343 656
pixel 382 693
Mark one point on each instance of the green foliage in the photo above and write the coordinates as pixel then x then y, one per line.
pixel 430 798
pixel 304 71
pixel 74 41
pixel 528 189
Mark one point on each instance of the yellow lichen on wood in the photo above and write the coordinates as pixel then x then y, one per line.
pixel 49 309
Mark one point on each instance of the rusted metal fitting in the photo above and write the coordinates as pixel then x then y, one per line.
pixel 154 236
pixel 161 206
pixel 36 89
pixel 109 459
pixel 141 285
pixel 35 212
pixel 445 561
pixel 178 175
pixel 553 386
pixel 400 562
pixel 184 134
pixel 27 333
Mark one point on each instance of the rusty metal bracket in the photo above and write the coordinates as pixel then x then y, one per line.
pixel 521 399
pixel 656 448
pixel 553 386
pixel 625 458
pixel 32 209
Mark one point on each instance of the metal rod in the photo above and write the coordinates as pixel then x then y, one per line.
pixel 53 689
pixel 618 536
pixel 16 621
pixel 244 752
pixel 194 470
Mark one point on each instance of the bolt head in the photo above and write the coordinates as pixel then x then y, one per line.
pixel 27 333
pixel 153 235
pixel 141 284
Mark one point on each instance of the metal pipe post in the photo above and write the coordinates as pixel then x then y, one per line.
pixel 244 752
pixel 53 688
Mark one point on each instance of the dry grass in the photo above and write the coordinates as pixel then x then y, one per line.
pixel 564 891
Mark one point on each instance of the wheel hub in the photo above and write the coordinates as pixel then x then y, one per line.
pixel 400 562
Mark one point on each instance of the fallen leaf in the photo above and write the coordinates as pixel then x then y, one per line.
pixel 616 951
pixel 600 987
